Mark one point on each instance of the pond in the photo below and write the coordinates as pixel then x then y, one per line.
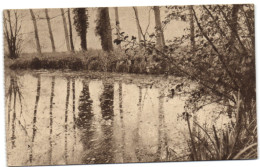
pixel 86 118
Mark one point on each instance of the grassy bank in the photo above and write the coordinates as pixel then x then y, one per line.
pixel 92 60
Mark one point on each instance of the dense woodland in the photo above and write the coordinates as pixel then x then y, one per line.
pixel 218 52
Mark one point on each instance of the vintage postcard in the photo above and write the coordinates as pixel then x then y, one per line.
pixel 130 84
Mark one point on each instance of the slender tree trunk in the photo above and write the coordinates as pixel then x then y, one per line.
pixel 234 23
pixel 105 30
pixel 138 24
pixel 65 29
pixel 192 32
pixel 50 30
pixel 11 33
pixel 117 25
pixel 158 28
pixel 36 32
pixel 11 37
pixel 6 33
pixel 70 30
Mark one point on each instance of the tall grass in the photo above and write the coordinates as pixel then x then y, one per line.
pixel 224 144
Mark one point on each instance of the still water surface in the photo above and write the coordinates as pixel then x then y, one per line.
pixel 77 118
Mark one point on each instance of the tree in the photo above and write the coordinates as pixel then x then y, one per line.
pixel 50 30
pixel 139 30
pixel 81 25
pixel 103 29
pixel 192 30
pixel 12 33
pixel 223 65
pixel 158 27
pixel 70 30
pixel 117 25
pixel 65 29
pixel 38 45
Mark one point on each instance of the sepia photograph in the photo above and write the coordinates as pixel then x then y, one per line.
pixel 134 84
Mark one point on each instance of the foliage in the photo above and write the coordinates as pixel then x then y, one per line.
pixel 223 63
pixel 81 24
pixel 210 144
pixel 103 29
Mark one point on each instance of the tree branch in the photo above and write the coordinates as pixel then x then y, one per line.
pixel 231 28
pixel 220 56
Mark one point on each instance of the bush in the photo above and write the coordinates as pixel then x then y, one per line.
pixel 94 60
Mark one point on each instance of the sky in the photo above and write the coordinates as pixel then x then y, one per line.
pixel 126 19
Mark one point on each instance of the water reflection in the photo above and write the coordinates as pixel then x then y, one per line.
pixel 52 119
pixel 161 129
pixel 38 92
pixel 66 120
pixel 14 83
pixel 13 93
pixel 84 121
pixel 107 110
pixel 74 114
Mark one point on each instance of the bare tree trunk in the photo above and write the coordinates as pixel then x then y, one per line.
pixel 138 24
pixel 36 32
pixel 234 23
pixel 117 24
pixel 9 36
pixel 158 28
pixel 70 30
pixel 50 30
pixel 65 29
pixel 192 32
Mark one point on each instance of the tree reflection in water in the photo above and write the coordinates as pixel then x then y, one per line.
pixel 97 149
pixel 89 121
pixel 38 92
pixel 85 120
pixel 107 110
pixel 51 118
pixel 12 95
pixel 66 120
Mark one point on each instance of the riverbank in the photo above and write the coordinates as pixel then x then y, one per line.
pixel 92 60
